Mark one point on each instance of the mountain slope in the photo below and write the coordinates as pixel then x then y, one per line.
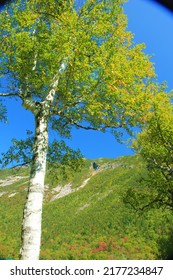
pixel 84 216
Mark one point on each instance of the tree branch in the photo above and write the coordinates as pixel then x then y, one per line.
pixel 55 111
pixel 148 205
pixel 94 128
pixel 10 94
pixel 5 72
pixel 31 105
pixel 35 63
pixel 36 55
pixel 90 127
pixel 51 94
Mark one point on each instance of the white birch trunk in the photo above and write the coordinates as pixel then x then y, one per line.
pixel 32 217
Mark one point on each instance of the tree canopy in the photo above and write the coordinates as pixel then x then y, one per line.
pixel 106 77
pixel 154 145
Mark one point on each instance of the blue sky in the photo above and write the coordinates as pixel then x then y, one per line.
pixel 151 24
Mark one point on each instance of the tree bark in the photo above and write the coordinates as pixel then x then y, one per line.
pixel 32 216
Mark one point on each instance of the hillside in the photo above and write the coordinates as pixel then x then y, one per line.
pixel 84 216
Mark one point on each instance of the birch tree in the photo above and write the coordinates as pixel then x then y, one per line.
pixel 70 67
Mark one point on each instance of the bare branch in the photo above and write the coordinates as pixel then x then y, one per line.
pixel 86 127
pixel 10 94
pixel 91 127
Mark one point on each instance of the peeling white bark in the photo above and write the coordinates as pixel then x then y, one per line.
pixel 32 216
pixel 35 63
pixel 31 228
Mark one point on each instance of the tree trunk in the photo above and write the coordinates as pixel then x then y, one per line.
pixel 32 216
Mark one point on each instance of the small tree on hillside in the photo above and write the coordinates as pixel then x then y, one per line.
pixel 70 68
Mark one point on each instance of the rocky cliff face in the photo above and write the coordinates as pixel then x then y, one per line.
pixel 11 185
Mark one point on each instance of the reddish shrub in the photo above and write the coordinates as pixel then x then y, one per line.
pixel 102 247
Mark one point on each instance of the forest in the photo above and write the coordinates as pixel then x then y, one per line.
pixel 91 222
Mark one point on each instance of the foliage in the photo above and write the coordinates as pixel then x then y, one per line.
pixel 105 228
pixel 2 112
pixel 155 146
pixel 107 78
pixel 21 152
